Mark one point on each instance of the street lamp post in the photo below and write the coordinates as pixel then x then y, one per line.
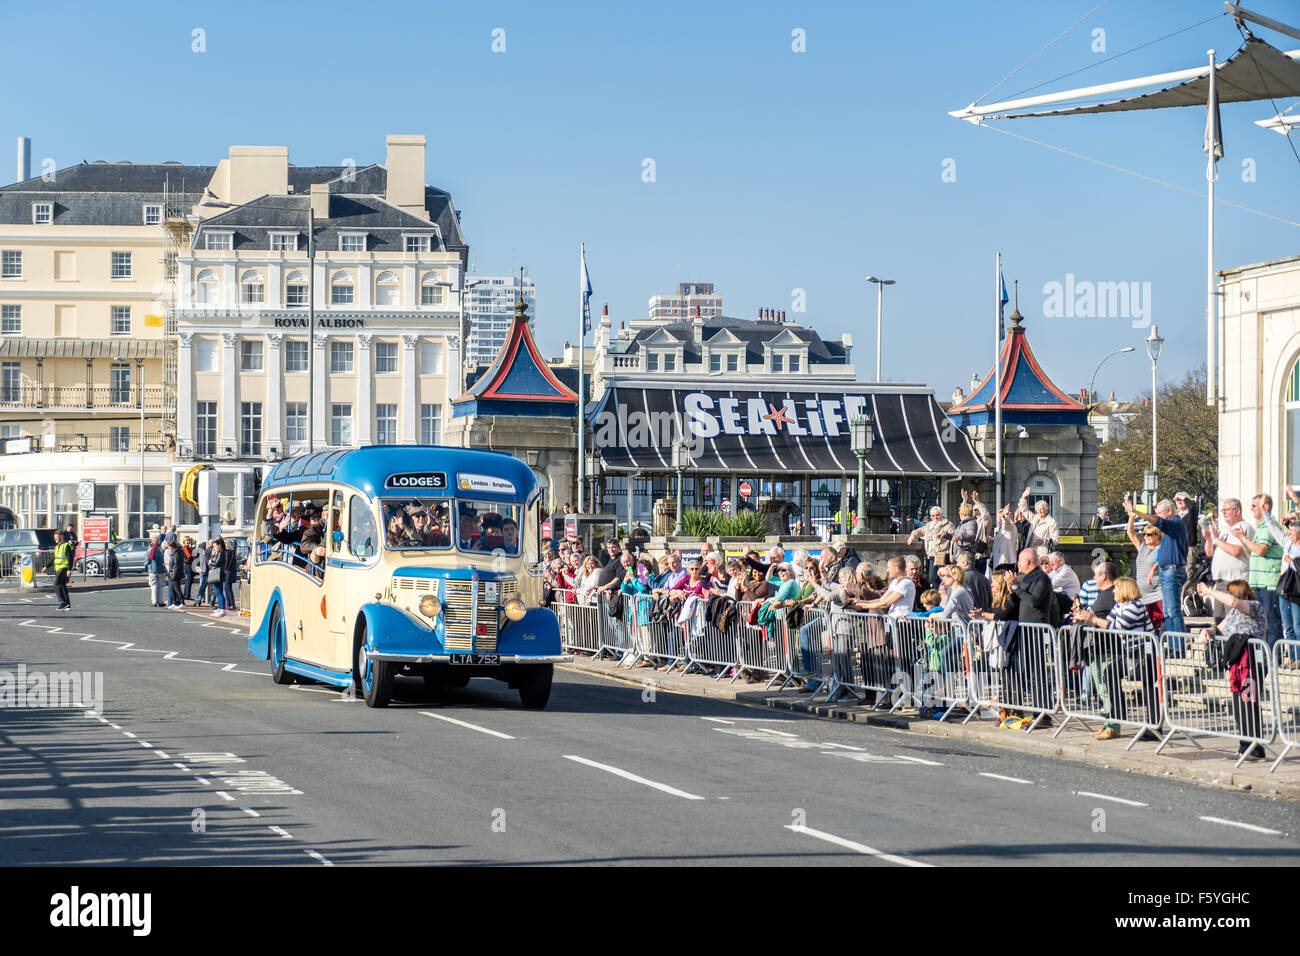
pixel 880 314
pixel 860 443
pixel 679 462
pixel 1154 344
pixel 139 364
pixel 1092 382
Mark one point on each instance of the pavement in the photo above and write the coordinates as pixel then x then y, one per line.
pixel 1212 765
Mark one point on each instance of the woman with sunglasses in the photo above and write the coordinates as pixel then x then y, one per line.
pixel 1146 571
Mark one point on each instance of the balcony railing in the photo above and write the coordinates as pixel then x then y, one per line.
pixel 86 442
pixel 81 397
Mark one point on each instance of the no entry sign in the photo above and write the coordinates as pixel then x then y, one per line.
pixel 745 489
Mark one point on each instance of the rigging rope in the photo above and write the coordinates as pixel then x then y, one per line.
pixel 1150 179
pixel 1045 49
pixel 1258 72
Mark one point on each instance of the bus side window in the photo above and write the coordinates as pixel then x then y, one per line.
pixel 362 534
pixel 336 521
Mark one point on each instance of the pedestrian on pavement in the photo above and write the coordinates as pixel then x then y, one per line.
pixel 200 564
pixel 187 550
pixel 175 558
pixel 218 561
pixel 229 577
pixel 1225 546
pixel 1266 565
pixel 1172 557
pixel 63 549
pixel 70 535
pixel 156 562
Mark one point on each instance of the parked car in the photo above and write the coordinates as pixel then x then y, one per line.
pixel 131 555
pixel 15 543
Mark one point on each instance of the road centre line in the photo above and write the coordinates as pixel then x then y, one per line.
pixel 316 856
pixel 920 760
pixel 225 796
pixel 857 847
pixel 250 812
pixel 1102 796
pixel 283 832
pixel 633 777
pixel 163 755
pixel 467 724
pixel 201 780
pixel 1244 826
pixel 843 747
pixel 998 776
pixel 779 733
pixel 128 734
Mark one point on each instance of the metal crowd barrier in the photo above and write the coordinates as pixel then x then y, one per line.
pixel 1284 696
pixel 579 626
pixel 871 658
pixel 1014 668
pixel 710 647
pixel 651 640
pixel 941 674
pixel 1112 676
pixel 1199 703
pixel 756 651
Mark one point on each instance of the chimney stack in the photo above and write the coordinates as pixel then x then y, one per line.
pixel 405 166
pixel 320 200
pixel 24 159
pixel 1112 397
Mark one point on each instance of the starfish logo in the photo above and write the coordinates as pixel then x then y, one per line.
pixel 778 416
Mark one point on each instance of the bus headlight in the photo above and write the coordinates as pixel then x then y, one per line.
pixel 514 609
pixel 430 606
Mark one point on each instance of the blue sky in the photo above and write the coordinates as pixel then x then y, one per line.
pixel 774 170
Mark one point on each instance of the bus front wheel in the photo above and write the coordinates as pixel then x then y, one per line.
pixel 376 677
pixel 279 648
pixel 535 685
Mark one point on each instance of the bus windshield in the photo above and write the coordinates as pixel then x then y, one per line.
pixel 416 524
pixel 488 526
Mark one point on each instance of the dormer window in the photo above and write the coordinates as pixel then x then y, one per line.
pixel 417 243
pixel 778 363
pixel 352 242
pixel 218 241
pixel 792 363
pixel 42 213
pixel 152 214
pixel 284 242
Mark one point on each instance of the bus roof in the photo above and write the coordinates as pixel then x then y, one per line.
pixel 466 472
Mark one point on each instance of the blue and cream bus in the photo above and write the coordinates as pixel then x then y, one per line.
pixel 413 560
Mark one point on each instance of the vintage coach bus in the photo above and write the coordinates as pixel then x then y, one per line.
pixel 412 560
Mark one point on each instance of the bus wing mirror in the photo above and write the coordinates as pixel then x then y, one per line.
pixel 338 537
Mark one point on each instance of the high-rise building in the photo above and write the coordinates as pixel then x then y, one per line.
pixel 682 304
pixel 489 311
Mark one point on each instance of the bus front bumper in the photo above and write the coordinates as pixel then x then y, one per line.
pixel 460 658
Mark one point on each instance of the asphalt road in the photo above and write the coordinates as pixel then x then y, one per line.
pixel 198 758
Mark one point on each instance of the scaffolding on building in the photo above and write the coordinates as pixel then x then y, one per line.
pixel 177 229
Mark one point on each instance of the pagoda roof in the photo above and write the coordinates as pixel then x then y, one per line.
pixel 1028 395
pixel 518 382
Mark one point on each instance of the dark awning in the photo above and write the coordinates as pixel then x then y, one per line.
pixel 799 431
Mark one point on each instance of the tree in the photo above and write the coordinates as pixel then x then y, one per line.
pixel 1187 448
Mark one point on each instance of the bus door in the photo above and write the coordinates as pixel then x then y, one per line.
pixel 344 596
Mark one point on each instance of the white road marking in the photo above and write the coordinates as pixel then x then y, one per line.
pixel 181 766
pixel 779 733
pixel 225 796
pixel 462 723
pixel 201 780
pixel 858 847
pixel 163 755
pixel 115 726
pixel 145 744
pixel 251 813
pixel 129 734
pixel 843 747
pixel 633 777
pixel 1102 796
pixel 718 720
pixel 102 720
pixel 998 776
pixel 1244 826
pixel 283 832
pixel 928 763
pixel 316 856
pixel 230 667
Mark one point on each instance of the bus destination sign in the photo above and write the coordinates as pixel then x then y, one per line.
pixel 417 481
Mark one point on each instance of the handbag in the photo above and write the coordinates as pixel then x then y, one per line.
pixel 1215 656
pixel 1288 585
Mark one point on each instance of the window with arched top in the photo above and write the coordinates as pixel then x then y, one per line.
pixel 295 290
pixel 252 289
pixel 1291 412
pixel 431 289
pixel 387 289
pixel 206 288
pixel 342 291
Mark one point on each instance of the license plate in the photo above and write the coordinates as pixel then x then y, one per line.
pixel 475 659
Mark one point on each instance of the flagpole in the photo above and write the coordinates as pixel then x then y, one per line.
pixel 1211 304
pixel 997 380
pixel 582 369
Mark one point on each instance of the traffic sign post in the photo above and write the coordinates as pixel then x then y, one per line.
pixel 726 506
pixel 86 495
pixel 96 530
pixel 745 489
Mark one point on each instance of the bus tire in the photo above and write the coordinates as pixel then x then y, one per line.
pixel 279 648
pixel 535 684
pixel 376 676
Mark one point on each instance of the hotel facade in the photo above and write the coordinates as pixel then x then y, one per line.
pixel 220 282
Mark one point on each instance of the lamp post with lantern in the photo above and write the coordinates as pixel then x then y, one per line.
pixel 680 461
pixel 1154 344
pixel 860 443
